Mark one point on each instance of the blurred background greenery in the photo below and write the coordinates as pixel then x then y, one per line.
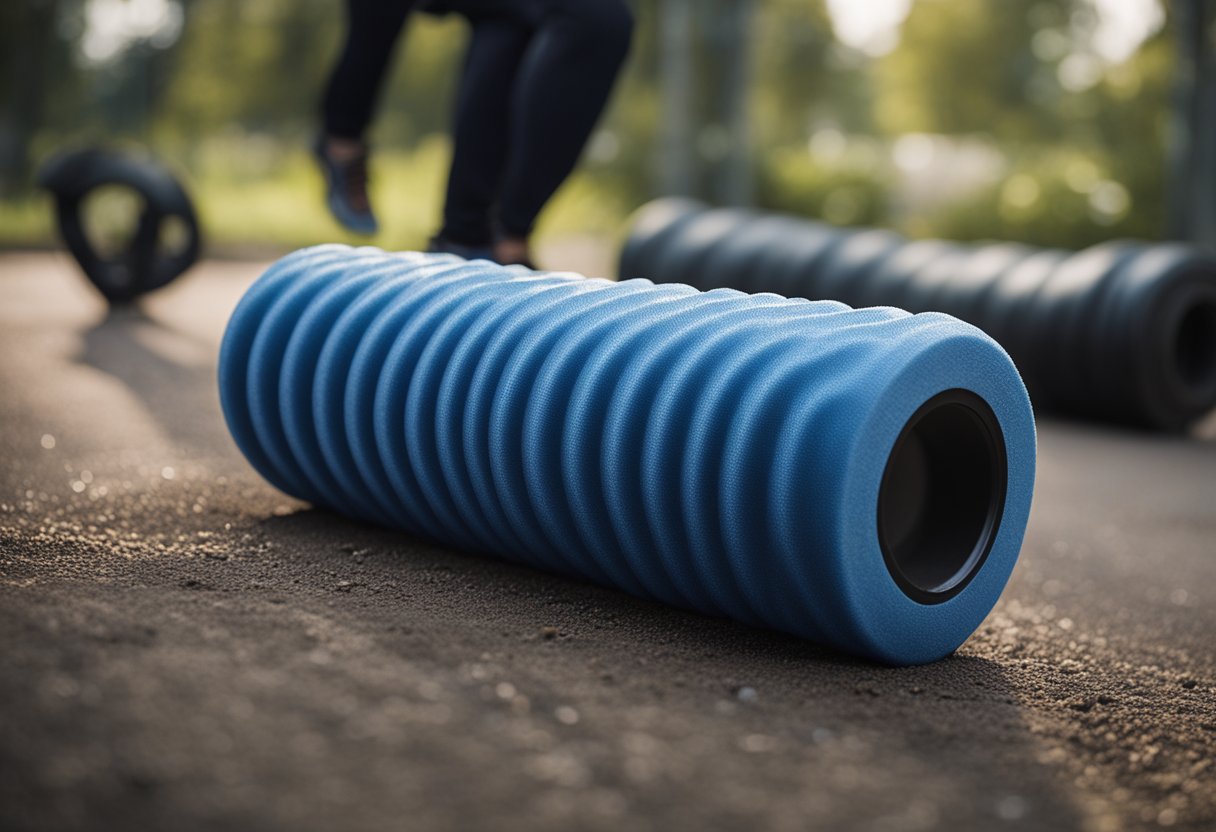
pixel 1040 120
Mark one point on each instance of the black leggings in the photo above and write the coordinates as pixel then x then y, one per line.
pixel 536 78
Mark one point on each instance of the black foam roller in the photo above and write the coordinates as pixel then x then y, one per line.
pixel 1121 332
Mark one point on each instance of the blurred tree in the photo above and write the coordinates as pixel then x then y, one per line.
pixel 808 83
pixel 1084 142
pixel 1128 131
pixel 975 66
pixel 27 47
pixel 800 77
pixel 255 65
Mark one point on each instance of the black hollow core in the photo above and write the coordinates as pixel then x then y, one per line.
pixel 1195 345
pixel 942 496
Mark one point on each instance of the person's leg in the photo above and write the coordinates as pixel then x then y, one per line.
pixel 373 28
pixel 563 86
pixel 480 128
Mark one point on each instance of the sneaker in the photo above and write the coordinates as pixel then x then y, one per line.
pixel 346 189
pixel 440 244
pixel 513 252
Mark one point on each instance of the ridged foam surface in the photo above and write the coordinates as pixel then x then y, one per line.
pixel 1121 332
pixel 718 451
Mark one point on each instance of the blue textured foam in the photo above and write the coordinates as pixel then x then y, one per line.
pixel 714 450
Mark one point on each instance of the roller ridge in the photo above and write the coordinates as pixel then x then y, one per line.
pixel 1122 332
pixel 625 433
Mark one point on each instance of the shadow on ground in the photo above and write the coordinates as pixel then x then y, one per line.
pixel 171 372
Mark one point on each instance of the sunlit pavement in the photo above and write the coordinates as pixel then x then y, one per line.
pixel 183 647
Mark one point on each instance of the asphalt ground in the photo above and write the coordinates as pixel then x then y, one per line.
pixel 182 647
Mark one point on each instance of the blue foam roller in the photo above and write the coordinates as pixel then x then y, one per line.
pixel 861 478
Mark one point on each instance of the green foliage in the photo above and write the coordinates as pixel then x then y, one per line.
pixel 1058 198
pixel 26 220
pixel 1083 164
pixel 795 80
pixel 851 191
pixel 969 66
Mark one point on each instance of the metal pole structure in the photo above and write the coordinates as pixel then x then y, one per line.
pixel 675 60
pixel 1192 204
pixel 736 181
